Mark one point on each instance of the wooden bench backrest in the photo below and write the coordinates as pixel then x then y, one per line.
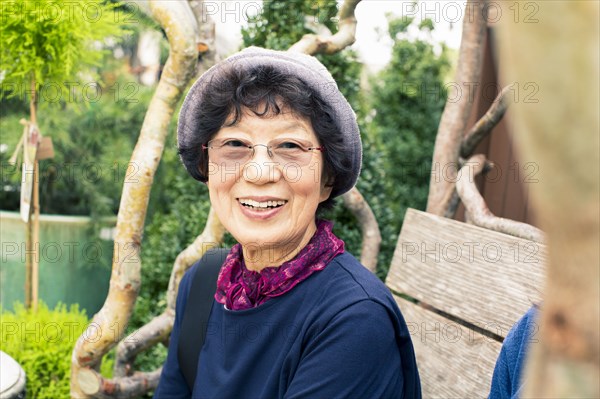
pixel 472 285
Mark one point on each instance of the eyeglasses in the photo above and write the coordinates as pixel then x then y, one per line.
pixel 232 152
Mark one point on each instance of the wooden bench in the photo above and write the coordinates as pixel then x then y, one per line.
pixel 466 286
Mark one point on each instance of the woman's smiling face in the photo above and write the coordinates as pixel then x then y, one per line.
pixel 266 205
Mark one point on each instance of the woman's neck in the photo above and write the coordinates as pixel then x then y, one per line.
pixel 258 257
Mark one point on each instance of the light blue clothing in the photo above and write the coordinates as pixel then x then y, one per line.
pixel 507 381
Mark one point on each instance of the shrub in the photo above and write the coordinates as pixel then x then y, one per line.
pixel 42 342
pixel 407 97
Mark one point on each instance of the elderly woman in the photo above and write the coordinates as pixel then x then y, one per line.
pixel 293 315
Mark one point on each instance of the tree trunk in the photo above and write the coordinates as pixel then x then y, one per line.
pixel 110 322
pixel 442 199
pixel 559 54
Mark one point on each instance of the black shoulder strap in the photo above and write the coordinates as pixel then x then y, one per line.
pixel 197 311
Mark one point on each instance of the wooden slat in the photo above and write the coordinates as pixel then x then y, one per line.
pixel 453 361
pixel 485 278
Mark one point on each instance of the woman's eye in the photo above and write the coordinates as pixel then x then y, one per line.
pixel 289 145
pixel 234 143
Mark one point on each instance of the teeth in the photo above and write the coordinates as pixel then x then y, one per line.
pixel 265 204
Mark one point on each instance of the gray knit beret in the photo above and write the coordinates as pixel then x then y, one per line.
pixel 306 68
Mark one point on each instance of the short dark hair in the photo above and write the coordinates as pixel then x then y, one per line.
pixel 265 91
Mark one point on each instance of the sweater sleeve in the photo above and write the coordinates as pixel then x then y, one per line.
pixel 507 382
pixel 354 355
pixel 172 384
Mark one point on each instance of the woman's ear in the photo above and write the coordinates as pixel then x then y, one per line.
pixel 326 189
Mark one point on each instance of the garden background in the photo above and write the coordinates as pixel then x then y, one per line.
pixel 94 128
pixel 94 66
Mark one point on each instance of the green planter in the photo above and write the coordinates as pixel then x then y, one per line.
pixel 74 264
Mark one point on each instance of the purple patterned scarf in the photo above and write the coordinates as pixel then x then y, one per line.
pixel 239 288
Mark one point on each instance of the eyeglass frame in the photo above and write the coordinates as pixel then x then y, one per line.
pixel 304 148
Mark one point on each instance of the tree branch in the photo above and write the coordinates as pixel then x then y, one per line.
pixel 159 328
pixel 94 385
pixel 345 36
pixel 486 123
pixel 206 40
pixel 177 20
pixel 479 213
pixel 454 119
pixel 371 237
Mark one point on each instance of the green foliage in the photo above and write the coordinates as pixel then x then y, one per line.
pixel 283 23
pixel 408 97
pixel 42 342
pixel 427 24
pixel 397 26
pixel 93 141
pixel 52 40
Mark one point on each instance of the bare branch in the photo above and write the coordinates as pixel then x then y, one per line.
pixel 453 204
pixel 206 40
pixel 150 334
pixel 211 237
pixel 479 213
pixel 371 237
pixel 454 119
pixel 95 385
pixel 179 23
pixel 345 36
pixel 486 123
pixel 160 327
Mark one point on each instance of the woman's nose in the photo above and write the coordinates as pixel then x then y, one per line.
pixel 261 168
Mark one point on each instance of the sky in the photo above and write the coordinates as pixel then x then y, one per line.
pixel 372 42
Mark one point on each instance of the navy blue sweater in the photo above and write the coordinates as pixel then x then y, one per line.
pixel 338 334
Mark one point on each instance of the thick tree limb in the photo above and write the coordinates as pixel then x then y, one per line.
pixel 345 36
pixel 371 237
pixel 455 199
pixel 453 203
pixel 479 213
pixel 558 131
pixel 206 40
pixel 454 119
pixel 486 123
pixel 211 237
pixel 150 334
pixel 160 327
pixel 94 385
pixel 180 26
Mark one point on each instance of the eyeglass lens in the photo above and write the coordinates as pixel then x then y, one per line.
pixel 283 151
